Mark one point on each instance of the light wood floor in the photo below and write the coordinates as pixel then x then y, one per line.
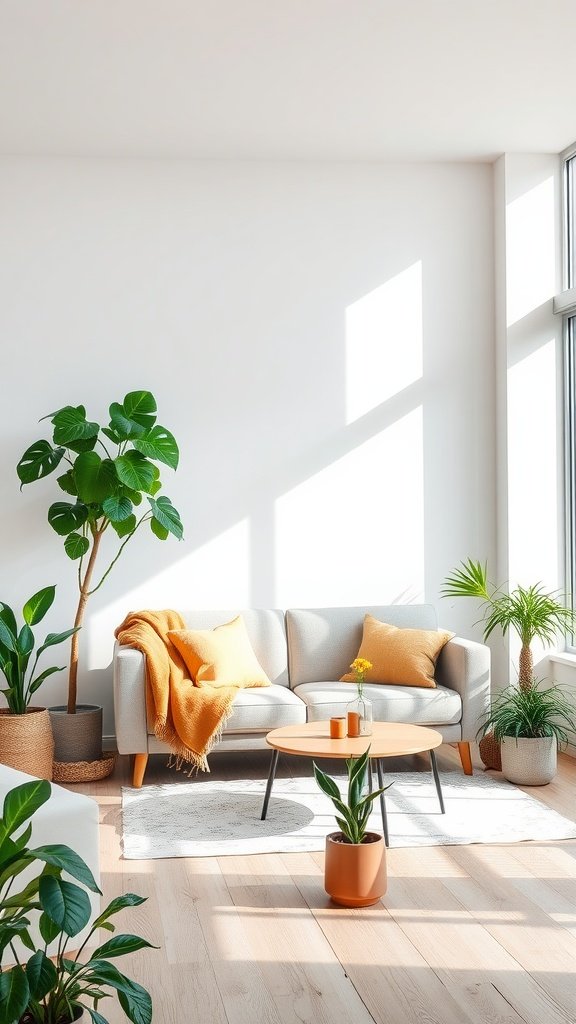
pixel 464 934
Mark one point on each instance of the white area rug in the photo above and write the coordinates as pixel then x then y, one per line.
pixel 216 819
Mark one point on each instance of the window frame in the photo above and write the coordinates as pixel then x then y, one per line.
pixel 565 305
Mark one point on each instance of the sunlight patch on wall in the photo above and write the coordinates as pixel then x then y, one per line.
pixel 530 251
pixel 383 342
pixel 354 532
pixel 533 468
pixel 215 575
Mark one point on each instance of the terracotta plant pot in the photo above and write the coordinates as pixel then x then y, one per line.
pixel 355 874
pixel 26 742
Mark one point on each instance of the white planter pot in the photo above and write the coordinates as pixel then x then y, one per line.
pixel 529 762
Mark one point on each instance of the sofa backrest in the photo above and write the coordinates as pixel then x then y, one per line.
pixel 266 629
pixel 322 642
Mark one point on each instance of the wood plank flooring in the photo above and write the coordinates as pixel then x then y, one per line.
pixel 465 934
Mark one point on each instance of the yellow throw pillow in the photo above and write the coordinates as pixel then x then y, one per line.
pixel 403 656
pixel 220 657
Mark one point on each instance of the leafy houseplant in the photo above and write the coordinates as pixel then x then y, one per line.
pixel 55 990
pixel 113 480
pixel 17 646
pixel 524 712
pixel 26 741
pixel 355 866
pixel 533 718
pixel 531 611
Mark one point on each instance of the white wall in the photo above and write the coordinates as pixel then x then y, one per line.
pixel 319 339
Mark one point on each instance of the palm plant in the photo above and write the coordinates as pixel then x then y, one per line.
pixel 531 611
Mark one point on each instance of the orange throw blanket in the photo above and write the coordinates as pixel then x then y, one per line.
pixel 186 717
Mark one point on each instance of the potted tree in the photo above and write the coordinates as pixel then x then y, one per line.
pixel 25 732
pixel 534 614
pixel 65 987
pixel 530 723
pixel 355 863
pixel 113 482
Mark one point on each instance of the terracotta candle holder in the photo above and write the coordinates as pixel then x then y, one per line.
pixel 353 723
pixel 337 728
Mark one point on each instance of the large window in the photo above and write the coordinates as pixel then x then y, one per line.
pixel 566 304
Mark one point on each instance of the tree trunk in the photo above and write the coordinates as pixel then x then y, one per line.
pixel 526 668
pixel 74 647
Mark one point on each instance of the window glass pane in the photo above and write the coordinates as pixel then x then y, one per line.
pixel 570 430
pixel 570 182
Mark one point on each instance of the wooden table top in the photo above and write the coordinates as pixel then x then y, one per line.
pixel 388 739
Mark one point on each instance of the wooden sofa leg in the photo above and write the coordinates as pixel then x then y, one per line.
pixel 465 757
pixel 140 762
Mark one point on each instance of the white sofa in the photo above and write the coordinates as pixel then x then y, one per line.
pixel 69 818
pixel 304 651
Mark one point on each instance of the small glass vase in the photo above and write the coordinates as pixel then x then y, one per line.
pixel 359 716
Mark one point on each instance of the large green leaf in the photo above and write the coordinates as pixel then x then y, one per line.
pixel 121 944
pixel 134 1000
pixel 97 1018
pixel 39 460
pixel 60 856
pixel 22 802
pixel 8 618
pixel 25 642
pixel 135 471
pixel 64 517
pixel 140 406
pixel 76 545
pixel 37 682
pixel 7 637
pixel 65 903
pixel 57 638
pixel 41 974
pixel 36 607
pixel 122 426
pixel 14 995
pixel 125 527
pixel 159 531
pixel 164 512
pixel 117 508
pixel 47 928
pixel 70 424
pixel 159 444
pixel 128 899
pixel 67 483
pixel 96 478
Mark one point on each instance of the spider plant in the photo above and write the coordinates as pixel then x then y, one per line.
pixel 532 611
pixel 530 713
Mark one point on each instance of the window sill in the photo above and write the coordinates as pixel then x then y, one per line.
pixel 563 658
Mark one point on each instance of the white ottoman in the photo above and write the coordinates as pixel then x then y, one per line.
pixel 69 818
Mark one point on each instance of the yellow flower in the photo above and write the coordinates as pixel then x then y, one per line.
pixel 360 666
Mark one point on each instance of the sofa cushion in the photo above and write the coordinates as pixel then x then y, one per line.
pixel 403 656
pixel 266 630
pixel 324 641
pixel 269 707
pixel 418 705
pixel 222 656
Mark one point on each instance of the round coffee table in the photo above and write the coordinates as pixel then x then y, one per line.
pixel 388 739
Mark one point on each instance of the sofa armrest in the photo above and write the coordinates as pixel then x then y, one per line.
pixel 464 666
pixel 130 700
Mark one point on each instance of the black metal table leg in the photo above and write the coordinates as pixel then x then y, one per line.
pixel 380 771
pixel 437 780
pixel 271 774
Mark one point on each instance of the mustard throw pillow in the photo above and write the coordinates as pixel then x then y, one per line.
pixel 403 656
pixel 220 657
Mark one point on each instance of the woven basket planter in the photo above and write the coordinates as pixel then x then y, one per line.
pixel 26 742
pixel 83 771
pixel 77 737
